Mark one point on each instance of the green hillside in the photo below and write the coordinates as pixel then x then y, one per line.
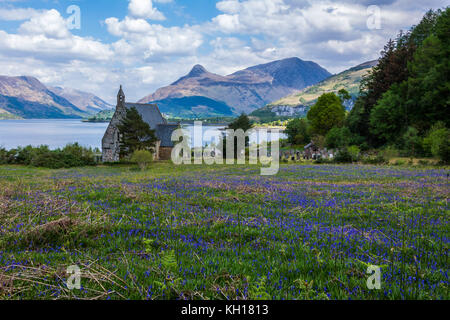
pixel 298 103
pixel 348 80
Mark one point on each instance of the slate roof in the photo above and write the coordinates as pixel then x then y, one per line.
pixel 164 133
pixel 150 113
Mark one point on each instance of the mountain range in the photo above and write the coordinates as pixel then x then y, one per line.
pixel 27 98
pixel 204 94
pixel 292 83
pixel 298 103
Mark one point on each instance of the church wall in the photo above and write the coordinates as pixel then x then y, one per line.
pixel 165 153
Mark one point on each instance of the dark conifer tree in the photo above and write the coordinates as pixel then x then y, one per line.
pixel 135 134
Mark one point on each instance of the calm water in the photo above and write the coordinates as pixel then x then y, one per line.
pixel 54 133
pixel 58 133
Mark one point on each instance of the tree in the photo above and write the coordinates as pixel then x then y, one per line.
pixel 428 86
pixel 327 113
pixel 387 119
pixel 411 142
pixel 344 95
pixel 243 122
pixel 297 131
pixel 135 134
pixel 338 137
pixel 395 66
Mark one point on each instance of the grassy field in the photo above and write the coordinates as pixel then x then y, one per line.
pixel 224 232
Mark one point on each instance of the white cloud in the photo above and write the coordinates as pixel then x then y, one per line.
pixel 49 24
pixel 229 6
pixel 142 40
pixel 147 55
pixel 18 14
pixel 46 36
pixel 144 9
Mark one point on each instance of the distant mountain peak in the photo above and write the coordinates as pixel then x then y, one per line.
pixel 197 71
pixel 242 91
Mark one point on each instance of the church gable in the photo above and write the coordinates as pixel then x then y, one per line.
pixel 150 114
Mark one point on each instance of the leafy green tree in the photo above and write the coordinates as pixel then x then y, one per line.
pixel 344 95
pixel 392 69
pixel 388 117
pixel 428 98
pixel 338 137
pixel 298 131
pixel 327 113
pixel 135 134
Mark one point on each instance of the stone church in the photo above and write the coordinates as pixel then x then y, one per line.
pixel 150 114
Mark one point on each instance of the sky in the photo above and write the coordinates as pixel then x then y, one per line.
pixel 95 46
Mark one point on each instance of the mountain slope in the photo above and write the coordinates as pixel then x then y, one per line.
pixel 85 101
pixel 243 91
pixel 298 104
pixel 27 97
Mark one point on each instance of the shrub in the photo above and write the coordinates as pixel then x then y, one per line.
pixel 390 152
pixel 411 142
pixel 354 153
pixel 348 155
pixel 3 156
pixel 323 161
pixel 343 156
pixel 73 155
pixel 143 158
pixel 297 131
pixel 374 159
pixel 444 150
pixel 436 140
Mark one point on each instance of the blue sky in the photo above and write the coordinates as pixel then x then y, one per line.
pixel 146 44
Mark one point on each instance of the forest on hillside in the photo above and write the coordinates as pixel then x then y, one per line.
pixel 403 103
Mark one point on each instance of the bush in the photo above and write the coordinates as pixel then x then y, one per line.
pixel 444 150
pixel 3 156
pixel 348 155
pixel 374 159
pixel 297 131
pixel 343 156
pixel 390 152
pixel 72 155
pixel 411 143
pixel 143 158
pixel 323 161
pixel 354 153
pixel 437 142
